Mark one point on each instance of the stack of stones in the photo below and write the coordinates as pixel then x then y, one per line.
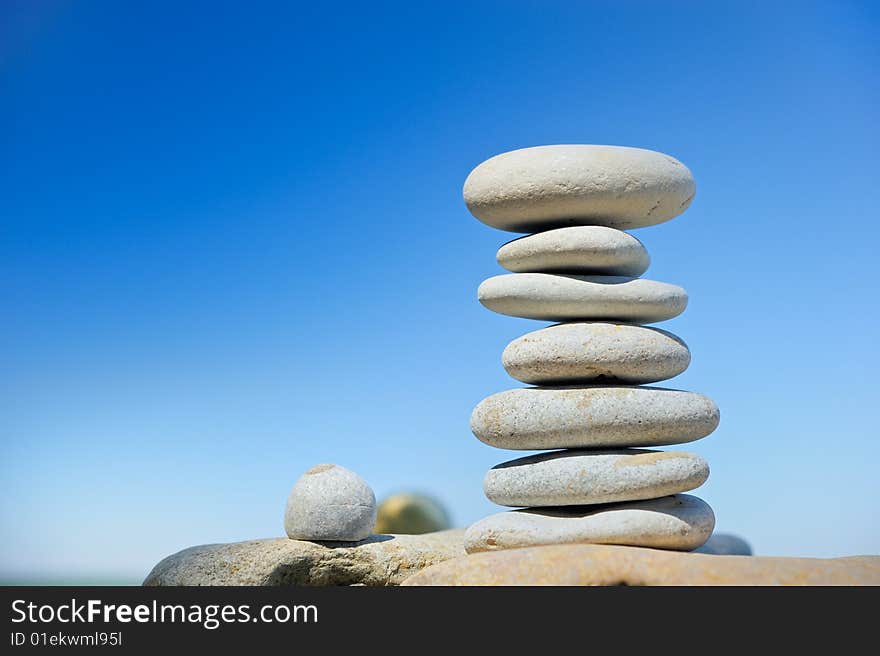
pixel 589 402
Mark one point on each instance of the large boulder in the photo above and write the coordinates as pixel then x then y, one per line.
pixel 585 564
pixel 379 560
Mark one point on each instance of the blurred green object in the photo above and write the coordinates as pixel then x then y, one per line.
pixel 411 513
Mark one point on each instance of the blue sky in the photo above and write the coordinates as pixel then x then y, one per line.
pixel 234 246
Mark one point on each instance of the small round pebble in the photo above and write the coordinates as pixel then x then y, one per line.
pixel 330 502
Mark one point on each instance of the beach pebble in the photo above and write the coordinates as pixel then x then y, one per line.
pixel 538 418
pixel 556 297
pixel 330 502
pixel 726 544
pixel 681 522
pixel 594 351
pixel 580 477
pixel 411 513
pixel 590 250
pixel 545 187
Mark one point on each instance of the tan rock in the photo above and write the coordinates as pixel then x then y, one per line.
pixel 613 565
pixel 411 513
pixel 380 560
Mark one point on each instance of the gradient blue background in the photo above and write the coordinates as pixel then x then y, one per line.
pixel 234 246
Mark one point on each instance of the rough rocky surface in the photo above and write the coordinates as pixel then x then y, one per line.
pixel 379 560
pixel 579 477
pixel 330 502
pixel 589 250
pixel 539 418
pixel 680 522
pixel 612 565
pixel 535 189
pixel 558 297
pixel 725 544
pixel 595 351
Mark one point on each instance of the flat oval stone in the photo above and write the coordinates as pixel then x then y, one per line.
pixel 330 502
pixel 556 297
pixel 538 418
pixel 581 477
pixel 602 564
pixel 681 522
pixel 545 187
pixel 588 352
pixel 591 250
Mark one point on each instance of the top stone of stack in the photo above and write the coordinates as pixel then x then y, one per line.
pixel 547 187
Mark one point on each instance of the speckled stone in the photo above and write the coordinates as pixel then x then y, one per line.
pixel 593 564
pixel 680 522
pixel 590 352
pixel 379 560
pixel 585 477
pixel 545 187
pixel 330 502
pixel 539 418
pixel 588 250
pixel 557 297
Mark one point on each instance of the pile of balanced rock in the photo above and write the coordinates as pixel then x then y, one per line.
pixel 589 369
pixel 588 404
